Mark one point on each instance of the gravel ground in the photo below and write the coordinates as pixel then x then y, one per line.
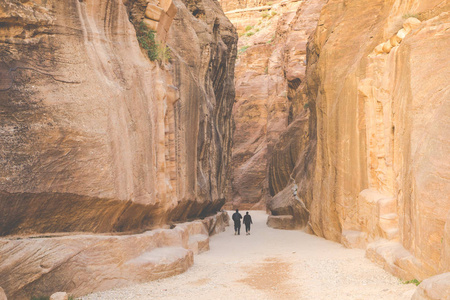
pixel 272 264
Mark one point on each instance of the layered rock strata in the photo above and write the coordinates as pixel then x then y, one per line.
pixel 95 137
pixel 97 140
pixel 269 72
pixel 80 264
pixel 377 176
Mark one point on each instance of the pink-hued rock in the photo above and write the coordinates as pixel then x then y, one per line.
pixel 82 263
pixel 434 288
pixel 94 136
pixel 281 222
pixel 269 71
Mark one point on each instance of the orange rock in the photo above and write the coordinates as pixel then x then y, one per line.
pixel 153 12
pixel 2 294
pixel 433 288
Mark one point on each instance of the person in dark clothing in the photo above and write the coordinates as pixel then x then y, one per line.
pixel 237 222
pixel 247 221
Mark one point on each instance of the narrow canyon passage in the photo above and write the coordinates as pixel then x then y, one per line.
pixel 272 264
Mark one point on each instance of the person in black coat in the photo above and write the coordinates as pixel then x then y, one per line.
pixel 247 222
pixel 237 222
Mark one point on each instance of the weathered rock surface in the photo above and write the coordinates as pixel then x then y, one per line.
pixel 2 294
pixel 81 264
pixel 378 169
pixel 434 288
pixel 59 296
pixel 286 222
pixel 94 137
pixel 269 71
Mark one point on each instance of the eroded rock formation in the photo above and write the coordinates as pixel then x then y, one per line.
pixel 377 176
pixel 81 264
pixel 269 72
pixel 94 137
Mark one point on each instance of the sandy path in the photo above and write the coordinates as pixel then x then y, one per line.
pixel 272 264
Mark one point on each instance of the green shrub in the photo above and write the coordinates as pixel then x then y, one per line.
pixel 146 39
pixel 250 33
pixel 155 50
pixel 265 14
pixel 273 13
pixel 413 281
pixel 249 27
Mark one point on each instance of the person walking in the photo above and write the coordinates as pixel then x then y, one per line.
pixel 237 222
pixel 247 221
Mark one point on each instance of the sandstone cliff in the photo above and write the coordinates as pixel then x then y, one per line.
pixel 269 72
pixel 93 135
pixel 96 138
pixel 374 171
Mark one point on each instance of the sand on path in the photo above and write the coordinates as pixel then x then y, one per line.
pixel 272 264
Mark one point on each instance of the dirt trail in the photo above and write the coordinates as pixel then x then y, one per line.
pixel 272 264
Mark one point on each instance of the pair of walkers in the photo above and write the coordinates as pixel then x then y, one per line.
pixel 237 222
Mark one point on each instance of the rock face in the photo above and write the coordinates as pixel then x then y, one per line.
pixel 434 288
pixel 80 264
pixel 373 170
pixel 2 294
pixel 269 71
pixel 95 137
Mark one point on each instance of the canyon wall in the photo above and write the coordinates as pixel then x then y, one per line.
pixel 99 144
pixel 94 136
pixel 372 169
pixel 269 73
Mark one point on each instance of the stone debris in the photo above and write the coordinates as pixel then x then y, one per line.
pixel 59 296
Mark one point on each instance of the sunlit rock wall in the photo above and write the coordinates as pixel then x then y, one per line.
pixel 378 89
pixel 94 136
pixel 270 71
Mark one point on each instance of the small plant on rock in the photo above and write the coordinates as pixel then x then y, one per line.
pixel 146 39
pixel 247 28
pixel 413 281
pixel 155 50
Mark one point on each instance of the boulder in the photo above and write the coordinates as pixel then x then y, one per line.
pixel 434 288
pixel 84 263
pixel 59 296
pixel 281 222
pixel 411 23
